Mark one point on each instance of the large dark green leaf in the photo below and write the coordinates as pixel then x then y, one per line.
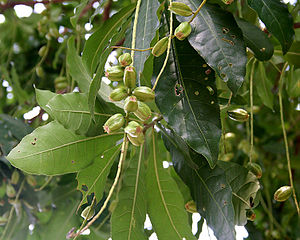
pixel 165 203
pixel 52 150
pixel 93 178
pixel 186 96
pixel 256 40
pixel 129 215
pixel 209 188
pixel 277 19
pixel 218 39
pixel 244 186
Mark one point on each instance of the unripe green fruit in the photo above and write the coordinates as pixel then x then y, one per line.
pixel 130 77
pixel 115 73
pixel 40 72
pixel 60 79
pixel 61 86
pixel 160 47
pixel 250 214
pixel 87 213
pixel 130 104
pixel 229 136
pixel 125 59
pixel 180 9
pixel 10 191
pixel 118 94
pixel 255 169
pixel 114 123
pixel 283 193
pixel 144 94
pixel 239 115
pixel 137 141
pixel 183 30
pixel 15 177
pixel 143 112
pixel 191 207
pixel 31 180
pixel 42 51
pixel 54 32
pixel 134 129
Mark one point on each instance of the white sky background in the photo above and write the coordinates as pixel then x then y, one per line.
pixel 207 234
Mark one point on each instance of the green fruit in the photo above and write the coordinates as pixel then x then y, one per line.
pixel 180 9
pixel 143 112
pixel 183 30
pixel 134 129
pixel 114 123
pixel 160 47
pixel 118 94
pixel 136 141
pixel 87 213
pixel 15 177
pixel 115 73
pixel 144 94
pixel 31 180
pixel 130 104
pixel 60 79
pixel 283 193
pixel 191 207
pixel 42 51
pixel 54 32
pixel 40 72
pixel 239 115
pixel 255 169
pixel 130 77
pixel 10 191
pixel 125 59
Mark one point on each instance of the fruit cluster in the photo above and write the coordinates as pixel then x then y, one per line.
pixel 134 100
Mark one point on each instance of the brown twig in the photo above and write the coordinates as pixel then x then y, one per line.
pixel 87 8
pixel 151 124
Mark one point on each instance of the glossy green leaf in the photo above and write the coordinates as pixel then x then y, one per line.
pixel 218 39
pixel 165 203
pixel 263 85
pixel 209 188
pixel 187 98
pixel 256 40
pixel 278 20
pixel 293 55
pixel 52 150
pixel 293 82
pixel 128 218
pixel 244 186
pixel 93 178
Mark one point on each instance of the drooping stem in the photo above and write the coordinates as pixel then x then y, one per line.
pixel 285 137
pixel 168 51
pixel 197 11
pixel 137 10
pixel 133 49
pixel 251 110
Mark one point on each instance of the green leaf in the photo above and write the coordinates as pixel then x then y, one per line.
pixel 99 40
pixel 93 178
pixel 218 39
pixel 165 202
pixel 293 55
pixel 277 19
pixel 72 111
pixel 52 150
pixel 256 40
pixel 43 97
pixel 209 188
pixel 263 86
pixel 128 218
pixel 244 186
pixel 293 82
pixel 186 96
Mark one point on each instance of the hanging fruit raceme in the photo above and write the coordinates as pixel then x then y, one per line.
pixel 125 59
pixel 130 104
pixel 115 73
pixel 118 94
pixel 160 47
pixel 283 193
pixel 183 30
pixel 250 214
pixel 191 207
pixel 87 213
pixel 130 77
pixel 114 123
pixel 143 112
pixel 239 115
pixel 180 9
pixel 144 94
pixel 255 169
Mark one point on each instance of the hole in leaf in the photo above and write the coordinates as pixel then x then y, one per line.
pixel 197 93
pixel 225 30
pixel 230 64
pixel 211 91
pixel 208 71
pixel 228 41
pixel 178 89
pixel 84 188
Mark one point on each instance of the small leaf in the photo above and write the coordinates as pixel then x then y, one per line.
pixel 165 202
pixel 52 150
pixel 278 20
pixel 128 218
pixel 256 40
pixel 263 86
pixel 43 97
pixel 218 39
pixel 93 178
